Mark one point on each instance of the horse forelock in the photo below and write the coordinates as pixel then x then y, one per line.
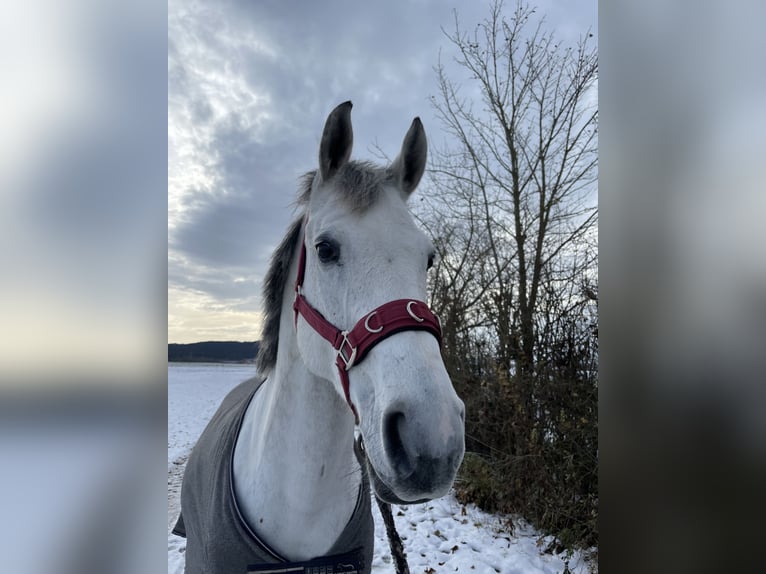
pixel 357 183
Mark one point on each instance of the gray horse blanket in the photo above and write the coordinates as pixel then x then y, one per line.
pixel 218 538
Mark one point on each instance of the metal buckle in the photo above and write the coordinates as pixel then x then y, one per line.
pixel 350 361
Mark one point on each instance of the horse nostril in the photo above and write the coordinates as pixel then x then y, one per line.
pixel 392 442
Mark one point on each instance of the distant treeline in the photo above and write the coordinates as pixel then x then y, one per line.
pixel 213 351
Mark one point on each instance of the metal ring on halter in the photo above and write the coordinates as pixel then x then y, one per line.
pixel 348 362
pixel 412 314
pixel 367 323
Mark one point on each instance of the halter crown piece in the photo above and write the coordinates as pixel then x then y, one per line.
pixel 351 347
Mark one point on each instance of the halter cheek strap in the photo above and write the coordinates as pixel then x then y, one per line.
pixel 351 347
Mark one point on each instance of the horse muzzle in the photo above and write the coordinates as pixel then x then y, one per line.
pixel 421 459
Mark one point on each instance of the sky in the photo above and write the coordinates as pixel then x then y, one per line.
pixel 250 85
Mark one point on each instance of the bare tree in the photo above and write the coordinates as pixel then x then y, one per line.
pixel 525 161
pixel 513 215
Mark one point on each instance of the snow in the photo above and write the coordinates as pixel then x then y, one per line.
pixel 194 392
pixel 439 536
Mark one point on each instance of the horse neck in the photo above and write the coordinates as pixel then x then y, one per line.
pixel 296 477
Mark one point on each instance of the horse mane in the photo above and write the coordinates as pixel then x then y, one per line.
pixel 359 184
pixel 273 287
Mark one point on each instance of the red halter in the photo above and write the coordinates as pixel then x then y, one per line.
pixel 352 346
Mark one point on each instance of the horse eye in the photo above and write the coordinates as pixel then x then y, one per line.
pixel 327 252
pixel 430 260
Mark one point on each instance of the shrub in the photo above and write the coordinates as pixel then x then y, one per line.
pixel 532 443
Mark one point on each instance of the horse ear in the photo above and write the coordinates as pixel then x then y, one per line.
pixel 411 163
pixel 337 140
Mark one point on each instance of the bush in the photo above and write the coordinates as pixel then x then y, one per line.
pixel 477 483
pixel 532 443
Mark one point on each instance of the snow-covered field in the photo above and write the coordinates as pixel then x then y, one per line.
pixel 440 536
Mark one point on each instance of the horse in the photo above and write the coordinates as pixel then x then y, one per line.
pixel 349 347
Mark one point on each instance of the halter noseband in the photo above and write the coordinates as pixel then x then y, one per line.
pixel 351 347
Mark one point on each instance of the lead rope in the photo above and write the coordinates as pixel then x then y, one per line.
pixel 394 540
pixel 397 548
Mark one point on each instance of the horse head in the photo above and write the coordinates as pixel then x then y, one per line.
pixel 363 272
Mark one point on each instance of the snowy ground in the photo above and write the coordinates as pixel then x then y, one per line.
pixel 440 536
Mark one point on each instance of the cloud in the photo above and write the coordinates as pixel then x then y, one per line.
pixel 249 87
